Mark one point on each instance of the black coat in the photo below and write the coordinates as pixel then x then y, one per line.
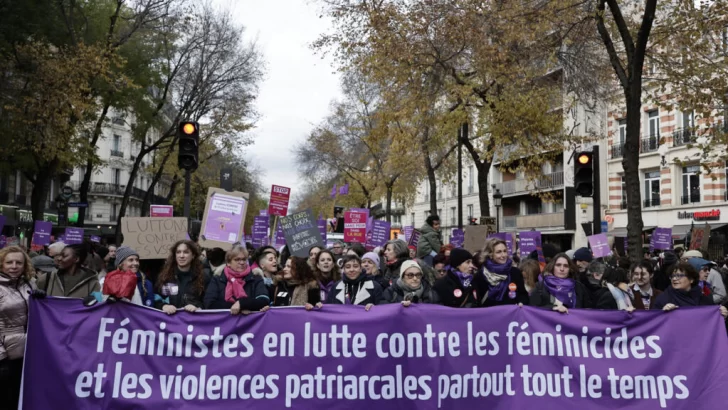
pixel 362 292
pixel 395 294
pixel 593 290
pixel 391 271
pixel 452 293
pixel 540 297
pixel 181 292
pixel 515 277
pixel 381 280
pixel 669 296
pixel 255 289
pixel 283 293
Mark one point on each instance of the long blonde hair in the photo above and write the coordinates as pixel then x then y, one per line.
pixel 28 271
pixel 489 248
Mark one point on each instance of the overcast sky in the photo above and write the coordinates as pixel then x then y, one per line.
pixel 298 85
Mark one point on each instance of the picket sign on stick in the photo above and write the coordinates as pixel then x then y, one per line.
pixel 152 237
pixel 224 219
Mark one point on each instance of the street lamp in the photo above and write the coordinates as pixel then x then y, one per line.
pixel 497 198
pixel 663 153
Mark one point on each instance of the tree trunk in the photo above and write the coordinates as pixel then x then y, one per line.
pixel 40 189
pixel 630 163
pixel 127 193
pixel 86 182
pixel 432 180
pixel 388 204
pixel 483 172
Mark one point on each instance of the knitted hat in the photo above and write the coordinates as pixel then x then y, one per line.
pixel 372 257
pixel 583 254
pixel 669 258
pixel 123 253
pixel 458 256
pixel 692 254
pixel 409 264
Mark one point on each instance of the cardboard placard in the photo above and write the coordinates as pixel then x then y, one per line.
pixel 151 237
pixel 224 219
pixel 475 236
pixel 302 232
pixel 699 238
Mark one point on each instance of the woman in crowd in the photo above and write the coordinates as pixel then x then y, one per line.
pixel 410 287
pixel 356 249
pixel 439 264
pixel 298 286
pixel 644 294
pixel 412 251
pixel 326 273
pixel 127 260
pixel 710 279
pixel 72 279
pixel 615 293
pixel 498 282
pixel 560 289
pixel 446 249
pixel 370 264
pixel 531 271
pixel 234 287
pixel 355 288
pixel 592 279
pixel 16 283
pixel 181 283
pixel 684 290
pixel 395 253
pixel 456 288
pixel 312 255
pixel 267 266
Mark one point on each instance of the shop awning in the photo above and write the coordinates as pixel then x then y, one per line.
pixel 618 232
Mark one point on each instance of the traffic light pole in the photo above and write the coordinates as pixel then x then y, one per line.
pixel 187 194
pixel 597 195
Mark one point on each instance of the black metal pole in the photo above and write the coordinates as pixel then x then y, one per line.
pixel 462 134
pixel 497 219
pixel 597 194
pixel 187 194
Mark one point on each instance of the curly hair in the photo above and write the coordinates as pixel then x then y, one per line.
pixel 301 270
pixel 28 271
pixel 169 271
pixel 549 269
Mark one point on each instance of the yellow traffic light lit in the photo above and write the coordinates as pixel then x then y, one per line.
pixel 583 159
pixel 188 128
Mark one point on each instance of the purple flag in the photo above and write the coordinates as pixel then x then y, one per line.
pixel 42 232
pixel 333 191
pixel 129 356
pixel 662 238
pixel 507 238
pixel 344 190
pixel 599 245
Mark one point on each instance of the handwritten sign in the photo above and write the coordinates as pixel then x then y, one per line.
pixel 302 232
pixel 153 237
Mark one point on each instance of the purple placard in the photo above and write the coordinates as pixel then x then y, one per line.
pixel 380 233
pixel 662 238
pixel 224 219
pixel 458 238
pixel 415 238
pixel 260 230
pixel 73 236
pixel 408 232
pixel 599 245
pixel 589 353
pixel 322 228
pixel 42 232
pixel 505 237
pixel 280 238
pixel 529 241
pixel 248 238
pixel 96 239
pixel 263 212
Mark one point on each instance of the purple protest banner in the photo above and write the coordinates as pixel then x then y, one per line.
pixel 414 239
pixel 380 233
pixel 128 356
pixel 599 245
pixel 507 238
pixel 260 230
pixel 662 238
pixel 73 236
pixel 42 232
pixel 96 239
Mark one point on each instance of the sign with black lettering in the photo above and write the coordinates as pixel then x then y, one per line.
pixel 153 237
pixel 302 232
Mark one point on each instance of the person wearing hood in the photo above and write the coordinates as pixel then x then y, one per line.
pixel 395 253
pixel 498 282
pixel 410 287
pixel 661 280
pixel 71 279
pixel 560 289
pixel 684 290
pixel 16 284
pixel 127 261
pixel 615 294
pixel 370 264
pixel 233 286
pixel 710 278
pixel 327 272
pixel 355 288
pixel 644 294
pixel 181 283
pixel 456 288
pixel 297 286
pixel 430 239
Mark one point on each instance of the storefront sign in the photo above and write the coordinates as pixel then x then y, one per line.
pixel 713 215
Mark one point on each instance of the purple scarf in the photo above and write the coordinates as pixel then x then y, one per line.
pixel 496 291
pixel 561 289
pixel 325 289
pixel 464 279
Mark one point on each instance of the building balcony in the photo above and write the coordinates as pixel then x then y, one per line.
pixel 683 137
pixel 103 188
pixel 616 151
pixel 546 182
pixel 690 199
pixel 552 220
pixel 651 203
pixel 650 144
pixel 117 154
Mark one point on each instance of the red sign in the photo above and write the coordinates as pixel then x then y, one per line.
pixel 278 204
pixel 161 211
pixel 355 226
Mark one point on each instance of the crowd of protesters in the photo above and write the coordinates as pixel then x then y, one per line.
pixel 244 280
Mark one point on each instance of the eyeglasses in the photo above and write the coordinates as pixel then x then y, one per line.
pixel 413 275
pixel 678 276
pixel 337 247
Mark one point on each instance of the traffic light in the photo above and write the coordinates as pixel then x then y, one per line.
pixel 188 136
pixel 583 174
pixel 473 221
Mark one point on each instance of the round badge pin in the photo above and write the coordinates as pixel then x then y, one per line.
pixel 512 294
pixel 457 293
pixel 512 287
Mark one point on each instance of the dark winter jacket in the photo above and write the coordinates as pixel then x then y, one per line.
pixel 362 291
pixel 391 271
pixel 430 241
pixel 593 290
pixel 395 294
pixel 146 289
pixel 515 279
pixel 52 284
pixel 384 283
pixel 694 297
pixel 452 293
pixel 282 294
pixel 181 292
pixel 540 297
pixel 256 293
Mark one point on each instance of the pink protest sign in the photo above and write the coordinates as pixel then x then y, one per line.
pixel 355 226
pixel 161 211
pixel 279 197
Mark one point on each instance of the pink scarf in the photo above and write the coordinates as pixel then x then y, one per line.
pixel 234 289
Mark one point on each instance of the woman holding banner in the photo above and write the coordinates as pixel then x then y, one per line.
pixel 355 288
pixel 233 286
pixel 181 283
pixel 684 290
pixel 297 287
pixel 560 289
pixel 498 282
pixel 456 288
pixel 72 280
pixel 326 273
pixel 16 283
pixel 410 287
